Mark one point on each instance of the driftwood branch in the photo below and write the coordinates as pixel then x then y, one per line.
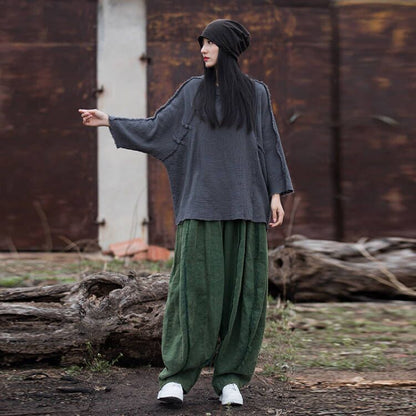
pixel 319 270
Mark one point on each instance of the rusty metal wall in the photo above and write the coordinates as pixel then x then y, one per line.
pixel 48 161
pixel 378 124
pixel 290 51
pixel 342 87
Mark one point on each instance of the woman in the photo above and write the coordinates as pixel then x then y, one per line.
pixel 219 142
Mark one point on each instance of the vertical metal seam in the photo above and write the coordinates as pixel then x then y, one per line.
pixel 336 161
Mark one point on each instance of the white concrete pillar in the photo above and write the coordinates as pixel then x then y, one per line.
pixel 122 174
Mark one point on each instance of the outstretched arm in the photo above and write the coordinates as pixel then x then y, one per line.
pixel 157 135
pixel 94 118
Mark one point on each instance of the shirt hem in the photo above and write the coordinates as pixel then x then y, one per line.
pixel 231 218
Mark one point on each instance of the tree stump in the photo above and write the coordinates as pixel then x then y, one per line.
pixel 115 313
pixel 305 270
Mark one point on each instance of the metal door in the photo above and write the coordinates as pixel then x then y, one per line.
pixel 48 160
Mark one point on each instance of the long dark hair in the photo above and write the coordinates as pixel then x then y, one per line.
pixel 236 91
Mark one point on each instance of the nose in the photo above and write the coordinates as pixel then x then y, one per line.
pixel 203 49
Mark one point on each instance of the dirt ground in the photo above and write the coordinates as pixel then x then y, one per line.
pixel 317 359
pixel 128 392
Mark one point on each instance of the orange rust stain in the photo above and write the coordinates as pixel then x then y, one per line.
pixel 399 37
pixel 399 140
pixel 383 17
pixel 382 82
pixel 377 23
pixel 290 27
pixel 344 3
pixel 268 72
pixel 295 102
pixel 395 200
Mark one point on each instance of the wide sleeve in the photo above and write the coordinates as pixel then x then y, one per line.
pixel 157 135
pixel 278 176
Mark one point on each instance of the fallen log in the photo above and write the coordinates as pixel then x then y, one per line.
pixel 306 270
pixel 115 313
pixel 109 313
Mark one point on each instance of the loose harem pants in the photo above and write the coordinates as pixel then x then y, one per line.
pixel 216 307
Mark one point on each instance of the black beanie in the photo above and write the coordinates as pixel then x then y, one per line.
pixel 228 35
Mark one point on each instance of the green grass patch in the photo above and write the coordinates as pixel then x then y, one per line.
pixel 338 336
pixel 15 273
pixel 11 281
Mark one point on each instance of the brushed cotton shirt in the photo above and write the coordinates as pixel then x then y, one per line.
pixel 214 174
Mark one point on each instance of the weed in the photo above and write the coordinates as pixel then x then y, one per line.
pixel 11 281
pixel 96 362
pixel 278 348
pixel 73 370
pixel 228 410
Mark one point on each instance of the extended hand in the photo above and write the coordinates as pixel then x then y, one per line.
pixel 277 211
pixel 94 118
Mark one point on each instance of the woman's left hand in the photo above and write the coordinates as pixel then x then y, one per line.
pixel 277 211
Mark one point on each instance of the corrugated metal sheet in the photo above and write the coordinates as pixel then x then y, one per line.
pixel 48 161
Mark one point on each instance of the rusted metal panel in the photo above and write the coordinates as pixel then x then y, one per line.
pixel 225 9
pixel 50 21
pixel 296 67
pixel 172 63
pixel 377 44
pixel 290 52
pixel 48 163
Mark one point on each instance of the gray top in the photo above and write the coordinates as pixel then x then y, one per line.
pixel 214 174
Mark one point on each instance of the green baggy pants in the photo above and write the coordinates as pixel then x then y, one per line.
pixel 216 307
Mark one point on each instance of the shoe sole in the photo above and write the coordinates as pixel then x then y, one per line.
pixel 232 404
pixel 236 403
pixel 171 400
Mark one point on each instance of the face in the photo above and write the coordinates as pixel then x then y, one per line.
pixel 209 53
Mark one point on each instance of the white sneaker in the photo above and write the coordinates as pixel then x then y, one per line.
pixel 231 395
pixel 171 393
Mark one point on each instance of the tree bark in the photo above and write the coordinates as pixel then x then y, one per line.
pixel 115 313
pixel 306 270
